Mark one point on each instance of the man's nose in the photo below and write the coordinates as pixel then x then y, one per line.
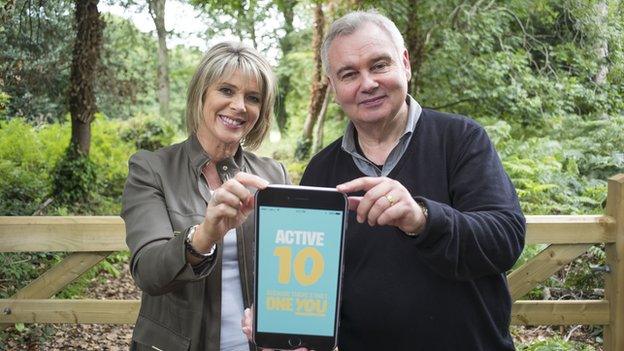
pixel 369 84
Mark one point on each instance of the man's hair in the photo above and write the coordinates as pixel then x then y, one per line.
pixel 219 63
pixel 349 23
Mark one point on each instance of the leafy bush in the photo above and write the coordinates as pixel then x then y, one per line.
pixel 555 344
pixel 148 132
pixel 27 158
pixel 75 180
pixel 4 101
pixel 564 173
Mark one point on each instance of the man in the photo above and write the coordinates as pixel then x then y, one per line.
pixel 435 220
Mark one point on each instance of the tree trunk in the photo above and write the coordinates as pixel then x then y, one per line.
pixel 602 46
pixel 157 12
pixel 318 138
pixel 319 86
pixel 251 22
pixel 240 22
pixel 415 41
pixel 82 103
pixel 75 176
pixel 287 7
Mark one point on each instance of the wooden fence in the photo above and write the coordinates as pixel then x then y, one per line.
pixel 91 239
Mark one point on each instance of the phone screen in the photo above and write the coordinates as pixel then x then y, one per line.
pixel 298 270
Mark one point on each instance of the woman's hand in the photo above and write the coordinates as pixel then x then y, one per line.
pixel 247 324
pixel 228 208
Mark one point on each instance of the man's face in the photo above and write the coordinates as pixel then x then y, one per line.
pixel 368 75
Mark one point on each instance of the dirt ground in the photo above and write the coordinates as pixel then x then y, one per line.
pixel 57 337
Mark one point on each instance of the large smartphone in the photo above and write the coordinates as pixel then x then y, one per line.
pixel 299 254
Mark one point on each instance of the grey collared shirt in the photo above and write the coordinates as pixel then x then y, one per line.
pixel 369 168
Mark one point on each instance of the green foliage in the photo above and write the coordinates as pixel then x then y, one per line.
pixel 30 155
pixel 21 267
pixel 4 100
pixel 565 172
pixel 302 150
pixel 35 60
pixel 148 133
pixel 27 335
pixel 27 156
pixel 581 277
pixel 110 152
pixel 74 180
pixel 110 265
pixel 528 68
pixel 295 170
pixel 299 66
pixel 555 344
pixel 182 64
pixel 35 55
pixel 93 184
pixel 126 77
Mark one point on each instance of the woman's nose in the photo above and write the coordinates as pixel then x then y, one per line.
pixel 238 103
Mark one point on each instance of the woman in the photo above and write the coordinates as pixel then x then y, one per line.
pixel 186 209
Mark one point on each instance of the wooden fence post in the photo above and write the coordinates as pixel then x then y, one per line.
pixel 614 281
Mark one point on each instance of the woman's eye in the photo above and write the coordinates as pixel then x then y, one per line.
pixel 254 99
pixel 226 91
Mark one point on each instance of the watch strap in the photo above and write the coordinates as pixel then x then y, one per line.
pixel 425 212
pixel 188 243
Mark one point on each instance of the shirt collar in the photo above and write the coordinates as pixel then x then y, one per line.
pixel 413 113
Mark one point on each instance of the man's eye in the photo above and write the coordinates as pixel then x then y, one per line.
pixel 347 75
pixel 379 66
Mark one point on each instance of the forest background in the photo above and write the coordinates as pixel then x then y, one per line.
pixel 80 91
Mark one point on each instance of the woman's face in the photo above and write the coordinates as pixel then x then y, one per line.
pixel 231 109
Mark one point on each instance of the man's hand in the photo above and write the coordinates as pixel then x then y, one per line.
pixel 385 202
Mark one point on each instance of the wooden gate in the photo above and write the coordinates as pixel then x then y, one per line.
pixel 91 239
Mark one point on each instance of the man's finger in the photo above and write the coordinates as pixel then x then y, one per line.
pixel 363 183
pixel 354 202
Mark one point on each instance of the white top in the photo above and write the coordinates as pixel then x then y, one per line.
pixel 232 337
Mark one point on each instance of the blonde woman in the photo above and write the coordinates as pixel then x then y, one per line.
pixel 187 209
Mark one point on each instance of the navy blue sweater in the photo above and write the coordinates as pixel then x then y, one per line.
pixel 446 288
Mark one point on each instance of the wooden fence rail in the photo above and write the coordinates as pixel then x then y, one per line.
pixel 91 239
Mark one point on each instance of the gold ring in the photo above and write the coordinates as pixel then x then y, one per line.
pixel 390 199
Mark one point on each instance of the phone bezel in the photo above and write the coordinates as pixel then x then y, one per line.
pixel 300 197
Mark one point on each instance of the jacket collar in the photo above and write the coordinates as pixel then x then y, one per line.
pixel 227 168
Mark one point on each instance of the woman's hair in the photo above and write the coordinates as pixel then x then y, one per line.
pixel 351 22
pixel 221 61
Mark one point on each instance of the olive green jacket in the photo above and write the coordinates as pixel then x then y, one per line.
pixel 164 195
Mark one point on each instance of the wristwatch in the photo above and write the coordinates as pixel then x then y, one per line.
pixel 188 243
pixel 425 212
